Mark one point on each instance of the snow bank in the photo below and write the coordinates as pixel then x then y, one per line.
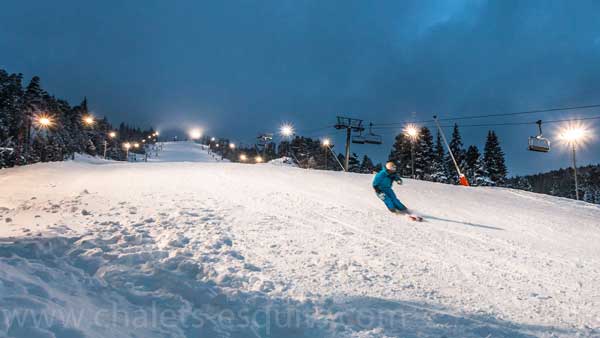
pixel 228 250
pixel 85 158
pixel 283 162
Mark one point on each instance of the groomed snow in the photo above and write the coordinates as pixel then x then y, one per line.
pixel 215 249
pixel 183 152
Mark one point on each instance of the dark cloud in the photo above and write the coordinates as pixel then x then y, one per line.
pixel 241 67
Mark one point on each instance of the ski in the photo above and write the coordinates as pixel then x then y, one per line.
pixel 414 218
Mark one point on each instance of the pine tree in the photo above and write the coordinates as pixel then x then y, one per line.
pixel 11 118
pixel 520 182
pixel 424 155
pixel 33 104
pixel 401 154
pixel 438 173
pixel 4 116
pixel 283 149
pixel 474 166
pixel 493 160
pixel 367 166
pixel 353 163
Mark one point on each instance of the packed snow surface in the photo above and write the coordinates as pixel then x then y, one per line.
pixel 182 152
pixel 216 249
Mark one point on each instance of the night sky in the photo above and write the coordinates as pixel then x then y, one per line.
pixel 237 68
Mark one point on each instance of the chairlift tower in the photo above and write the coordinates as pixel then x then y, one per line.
pixel 262 141
pixel 350 124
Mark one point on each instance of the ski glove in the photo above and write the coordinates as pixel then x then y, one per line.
pixel 399 181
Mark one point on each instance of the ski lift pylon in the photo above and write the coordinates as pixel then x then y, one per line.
pixel 539 143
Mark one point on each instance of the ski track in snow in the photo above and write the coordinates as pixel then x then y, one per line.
pixel 91 249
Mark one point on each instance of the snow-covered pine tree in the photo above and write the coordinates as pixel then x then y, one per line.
pixel 424 155
pixel 88 131
pixel 353 163
pixel 11 117
pixel 73 123
pixel 270 151
pixel 283 149
pixel 400 154
pixel 474 166
pixel 34 103
pixel 4 117
pixel 438 172
pixel 493 160
pixel 456 146
pixel 58 135
pixel 520 182
pixel 366 166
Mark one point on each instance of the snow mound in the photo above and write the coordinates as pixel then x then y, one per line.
pixel 229 250
pixel 85 158
pixel 284 162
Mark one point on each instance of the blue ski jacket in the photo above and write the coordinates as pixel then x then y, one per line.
pixel 383 180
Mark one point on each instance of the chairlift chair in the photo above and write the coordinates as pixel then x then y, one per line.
pixel 539 143
pixel 358 139
pixel 372 138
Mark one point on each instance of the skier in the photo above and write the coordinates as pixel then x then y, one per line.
pixel 382 183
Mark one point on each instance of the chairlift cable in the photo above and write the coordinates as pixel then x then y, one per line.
pixel 492 115
pixel 509 123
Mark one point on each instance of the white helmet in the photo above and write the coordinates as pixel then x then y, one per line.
pixel 390 166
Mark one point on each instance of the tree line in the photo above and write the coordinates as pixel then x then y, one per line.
pixel 306 152
pixel 36 127
pixel 433 163
pixel 561 183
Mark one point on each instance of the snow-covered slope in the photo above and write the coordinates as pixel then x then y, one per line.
pixel 231 250
pixel 183 152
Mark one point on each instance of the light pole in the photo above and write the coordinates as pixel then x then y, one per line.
pixel 575 173
pixel 327 144
pixel 88 121
pixel 412 132
pixel 111 135
pixel 44 122
pixel 127 145
pixel 572 136
pixel 287 131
